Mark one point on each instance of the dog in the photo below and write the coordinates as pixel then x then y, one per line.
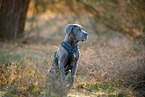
pixel 67 56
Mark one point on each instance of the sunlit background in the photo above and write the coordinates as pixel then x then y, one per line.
pixel 112 60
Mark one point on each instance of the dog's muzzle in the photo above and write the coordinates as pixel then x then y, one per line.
pixel 85 35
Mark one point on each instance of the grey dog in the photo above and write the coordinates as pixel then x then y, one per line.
pixel 66 57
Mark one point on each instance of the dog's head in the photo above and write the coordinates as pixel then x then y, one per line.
pixel 76 31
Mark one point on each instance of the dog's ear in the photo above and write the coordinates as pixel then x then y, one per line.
pixel 68 28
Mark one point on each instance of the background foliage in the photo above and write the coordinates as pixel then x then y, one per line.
pixel 112 61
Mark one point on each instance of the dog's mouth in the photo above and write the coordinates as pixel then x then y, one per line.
pixel 84 39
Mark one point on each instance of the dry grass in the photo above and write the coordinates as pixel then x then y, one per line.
pixel 101 71
pixel 117 65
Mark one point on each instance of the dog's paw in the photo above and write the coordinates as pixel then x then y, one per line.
pixel 72 80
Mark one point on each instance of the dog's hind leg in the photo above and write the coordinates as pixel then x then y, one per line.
pixel 49 71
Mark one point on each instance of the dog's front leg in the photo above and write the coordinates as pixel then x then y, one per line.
pixel 62 72
pixel 61 63
pixel 73 73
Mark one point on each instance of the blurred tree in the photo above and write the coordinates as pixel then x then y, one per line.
pixel 12 18
pixel 125 16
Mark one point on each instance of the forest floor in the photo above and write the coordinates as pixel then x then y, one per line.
pixel 102 71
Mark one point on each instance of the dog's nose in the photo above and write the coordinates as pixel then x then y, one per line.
pixel 86 34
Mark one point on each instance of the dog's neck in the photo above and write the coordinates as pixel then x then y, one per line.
pixel 70 41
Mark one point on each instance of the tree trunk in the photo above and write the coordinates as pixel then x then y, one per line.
pixel 11 14
pixel 23 18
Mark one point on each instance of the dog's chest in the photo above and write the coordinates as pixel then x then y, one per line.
pixel 71 60
pixel 72 57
